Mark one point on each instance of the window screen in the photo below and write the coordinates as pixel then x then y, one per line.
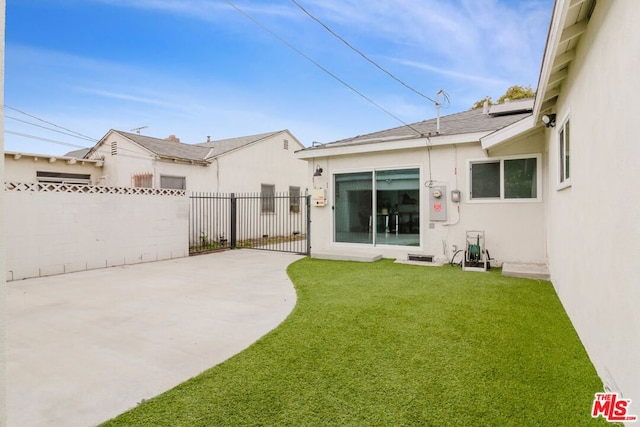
pixel 485 180
pixel 267 194
pixel 173 182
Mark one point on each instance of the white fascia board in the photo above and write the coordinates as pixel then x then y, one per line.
pixel 17 155
pixel 399 144
pixel 505 134
pixel 560 10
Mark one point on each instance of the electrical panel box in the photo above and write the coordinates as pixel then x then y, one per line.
pixel 438 203
pixel 318 197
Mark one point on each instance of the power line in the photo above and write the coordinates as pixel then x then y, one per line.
pixel 50 129
pixel 50 123
pixel 68 144
pixel 308 58
pixel 54 141
pixel 362 54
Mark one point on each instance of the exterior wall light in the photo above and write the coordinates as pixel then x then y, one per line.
pixel 318 171
pixel 549 120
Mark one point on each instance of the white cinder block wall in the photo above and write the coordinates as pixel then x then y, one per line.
pixel 50 233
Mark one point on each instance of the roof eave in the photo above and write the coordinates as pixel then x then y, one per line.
pixel 506 134
pixel 17 155
pixel 183 160
pixel 556 62
pixel 388 145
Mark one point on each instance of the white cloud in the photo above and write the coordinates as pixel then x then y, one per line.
pixel 452 73
pixel 126 97
pixel 204 9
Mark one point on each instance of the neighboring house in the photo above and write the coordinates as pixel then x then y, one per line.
pixel 32 168
pixel 245 164
pixel 563 193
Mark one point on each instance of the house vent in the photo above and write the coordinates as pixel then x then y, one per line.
pixel 285 144
pixel 114 148
pixel 418 257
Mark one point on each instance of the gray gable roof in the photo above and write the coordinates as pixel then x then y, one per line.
pixel 471 121
pixel 169 149
pixel 225 145
pixel 78 154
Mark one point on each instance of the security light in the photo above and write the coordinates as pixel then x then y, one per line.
pixel 549 120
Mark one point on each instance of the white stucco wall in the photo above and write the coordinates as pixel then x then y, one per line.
pixel 238 171
pixel 594 225
pixel 131 159
pixel 514 231
pixel 264 162
pixel 25 168
pixel 50 233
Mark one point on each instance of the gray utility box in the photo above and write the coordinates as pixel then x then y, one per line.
pixel 438 203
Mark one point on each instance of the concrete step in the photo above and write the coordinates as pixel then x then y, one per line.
pixel 346 256
pixel 529 271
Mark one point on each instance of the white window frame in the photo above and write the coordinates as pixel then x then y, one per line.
pixel 267 200
pixel 294 199
pixel 502 199
pixel 52 177
pixel 183 178
pixel 564 178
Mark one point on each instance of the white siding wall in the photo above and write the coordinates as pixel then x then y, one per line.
pixel 53 233
pixel 514 231
pixel 594 225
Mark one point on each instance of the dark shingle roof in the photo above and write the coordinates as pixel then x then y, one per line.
pixel 225 145
pixel 470 121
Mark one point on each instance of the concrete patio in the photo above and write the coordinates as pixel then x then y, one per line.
pixel 85 347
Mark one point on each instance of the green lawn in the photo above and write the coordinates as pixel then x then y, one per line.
pixel 387 344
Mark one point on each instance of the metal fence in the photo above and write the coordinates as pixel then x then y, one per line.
pixel 278 222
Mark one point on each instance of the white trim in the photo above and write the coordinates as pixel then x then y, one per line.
pixel 398 143
pixel 372 170
pixel 70 160
pixel 503 135
pixel 560 10
pixel 502 199
pixel 561 184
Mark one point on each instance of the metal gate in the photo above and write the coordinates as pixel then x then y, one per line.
pixel 278 222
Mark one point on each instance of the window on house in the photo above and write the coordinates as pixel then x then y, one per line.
pixel 173 182
pixel 378 207
pixel 267 198
pixel 63 178
pixel 564 151
pixel 520 179
pixel 294 199
pixel 485 180
pixel 505 179
pixel 144 180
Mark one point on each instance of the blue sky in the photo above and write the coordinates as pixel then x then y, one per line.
pixel 198 68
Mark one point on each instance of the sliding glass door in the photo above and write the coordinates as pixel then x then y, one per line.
pixel 378 207
pixel 353 207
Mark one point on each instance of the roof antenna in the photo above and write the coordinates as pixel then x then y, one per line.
pixel 438 105
pixel 137 130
